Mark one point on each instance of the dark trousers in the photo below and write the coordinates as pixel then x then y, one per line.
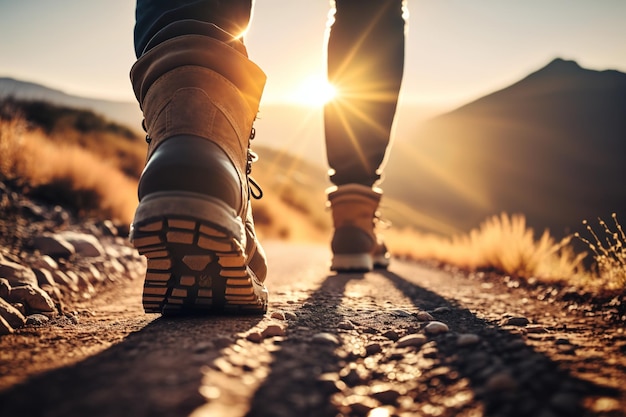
pixel 365 64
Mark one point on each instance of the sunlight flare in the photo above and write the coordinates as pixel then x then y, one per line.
pixel 314 91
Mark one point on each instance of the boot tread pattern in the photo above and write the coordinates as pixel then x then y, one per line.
pixel 193 266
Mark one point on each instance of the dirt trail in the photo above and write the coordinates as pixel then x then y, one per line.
pixel 411 341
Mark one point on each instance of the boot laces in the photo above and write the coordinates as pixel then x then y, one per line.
pixel 255 189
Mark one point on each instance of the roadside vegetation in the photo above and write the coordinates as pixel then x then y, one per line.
pixel 77 159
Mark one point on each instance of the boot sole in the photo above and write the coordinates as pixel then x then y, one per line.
pixel 360 262
pixel 196 261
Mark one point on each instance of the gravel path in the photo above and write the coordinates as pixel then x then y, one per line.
pixel 411 341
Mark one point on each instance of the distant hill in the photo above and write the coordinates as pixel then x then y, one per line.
pixel 123 112
pixel 551 146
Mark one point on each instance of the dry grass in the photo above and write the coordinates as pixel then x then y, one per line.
pixel 502 243
pixel 609 253
pixel 66 173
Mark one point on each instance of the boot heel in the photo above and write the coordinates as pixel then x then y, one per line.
pixel 196 261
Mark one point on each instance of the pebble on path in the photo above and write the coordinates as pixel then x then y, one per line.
pixel 328 338
pixel 278 315
pixel 273 330
pixel 436 327
pixel 518 321
pixel 467 339
pixel 424 316
pixel 415 340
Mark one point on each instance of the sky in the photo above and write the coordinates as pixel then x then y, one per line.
pixel 457 50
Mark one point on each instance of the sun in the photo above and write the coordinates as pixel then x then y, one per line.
pixel 314 91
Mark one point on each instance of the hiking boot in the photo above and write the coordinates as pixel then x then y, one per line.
pixel 199 95
pixel 355 244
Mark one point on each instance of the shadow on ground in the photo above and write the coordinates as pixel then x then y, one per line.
pixel 158 371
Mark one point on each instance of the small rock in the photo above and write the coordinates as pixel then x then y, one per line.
pixel 436 327
pixel 424 316
pixel 346 325
pixel 84 244
pixel 17 274
pixel 54 246
pixel 11 314
pixel 34 297
pixel 273 330
pixel 290 315
pixel 518 321
pixel 391 335
pixel 415 340
pixel 501 381
pixel 467 339
pixel 373 348
pixel 37 319
pixel 278 315
pixel 327 338
pixel 385 394
pixel 442 310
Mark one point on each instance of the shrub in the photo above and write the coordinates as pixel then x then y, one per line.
pixel 610 253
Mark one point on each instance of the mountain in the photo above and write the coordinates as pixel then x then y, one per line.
pixel 123 112
pixel 551 146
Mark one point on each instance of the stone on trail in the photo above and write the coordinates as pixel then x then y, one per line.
pixel 424 316
pixel 11 314
pixel 373 348
pixel 467 339
pixel 518 321
pixel 391 335
pixel 273 330
pixel 278 315
pixel 346 325
pixel 255 337
pixel 17 274
pixel 436 327
pixel 414 340
pixel 501 381
pixel 37 319
pixel 54 246
pixel 326 338
pixel 34 297
pixel 86 245
pixel 290 315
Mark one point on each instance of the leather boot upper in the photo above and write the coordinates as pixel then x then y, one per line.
pixel 354 210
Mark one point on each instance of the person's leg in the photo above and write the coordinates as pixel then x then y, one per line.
pixel 365 65
pixel 232 16
pixel 200 95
